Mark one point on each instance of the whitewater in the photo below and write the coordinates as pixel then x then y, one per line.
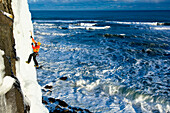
pixel 113 63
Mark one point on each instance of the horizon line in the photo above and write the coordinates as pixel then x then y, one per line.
pixel 101 10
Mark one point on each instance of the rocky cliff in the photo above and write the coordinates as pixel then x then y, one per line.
pixel 19 89
pixel 12 101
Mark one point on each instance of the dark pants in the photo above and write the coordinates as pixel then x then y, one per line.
pixel 34 58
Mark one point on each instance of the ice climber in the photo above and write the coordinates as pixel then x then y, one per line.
pixel 35 52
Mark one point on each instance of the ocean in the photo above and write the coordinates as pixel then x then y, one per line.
pixel 114 61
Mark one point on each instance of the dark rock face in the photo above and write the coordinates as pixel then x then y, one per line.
pixel 63 78
pixel 113 35
pixel 48 87
pixel 5 5
pixel 60 106
pixel 14 97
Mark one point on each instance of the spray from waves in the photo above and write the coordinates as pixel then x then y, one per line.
pixel 112 87
pixel 70 24
pixel 161 28
pixel 134 94
pixel 86 24
pixel 136 97
pixel 88 27
pixel 51 34
pixel 94 24
pixel 134 23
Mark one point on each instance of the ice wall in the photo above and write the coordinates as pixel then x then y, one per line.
pixel 26 73
pixel 2 67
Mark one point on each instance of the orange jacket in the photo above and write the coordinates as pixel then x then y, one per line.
pixel 36 48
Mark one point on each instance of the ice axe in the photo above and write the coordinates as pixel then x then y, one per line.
pixel 31 34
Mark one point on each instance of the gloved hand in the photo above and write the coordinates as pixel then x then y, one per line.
pixel 31 36
pixel 31 43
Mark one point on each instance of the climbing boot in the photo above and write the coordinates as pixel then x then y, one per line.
pixel 36 66
pixel 27 62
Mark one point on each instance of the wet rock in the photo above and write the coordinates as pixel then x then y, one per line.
pixel 166 23
pixel 62 103
pixel 76 109
pixel 166 54
pixel 63 27
pixel 155 111
pixel 48 87
pixel 63 78
pixel 52 100
pixel 79 109
pixel 108 35
pixel 59 106
pixel 57 111
pixel 143 51
pixel 87 111
pixel 113 35
pixel 67 111
pixel 149 51
pixel 43 90
pixel 44 102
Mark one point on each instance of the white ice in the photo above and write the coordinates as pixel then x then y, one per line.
pixel 5 82
pixel 2 67
pixel 26 73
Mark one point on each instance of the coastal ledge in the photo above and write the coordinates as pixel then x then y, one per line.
pixel 60 106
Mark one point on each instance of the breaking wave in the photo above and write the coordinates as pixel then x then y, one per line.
pixel 88 27
pixel 116 68
pixel 140 23
pixel 161 28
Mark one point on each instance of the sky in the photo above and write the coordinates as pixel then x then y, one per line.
pixel 99 4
